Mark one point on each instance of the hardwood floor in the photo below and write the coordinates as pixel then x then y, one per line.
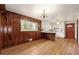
pixel 44 47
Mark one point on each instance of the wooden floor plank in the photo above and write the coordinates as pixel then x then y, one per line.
pixel 44 47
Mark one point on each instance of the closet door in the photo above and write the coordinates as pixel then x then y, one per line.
pixel 1 33
pixel 4 30
pixel 13 23
pixel 10 36
pixel 7 30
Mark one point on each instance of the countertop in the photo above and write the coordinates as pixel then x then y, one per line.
pixel 48 32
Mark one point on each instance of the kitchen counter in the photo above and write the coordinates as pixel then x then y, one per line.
pixel 48 35
pixel 47 32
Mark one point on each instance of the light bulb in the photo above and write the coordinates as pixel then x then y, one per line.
pixel 57 22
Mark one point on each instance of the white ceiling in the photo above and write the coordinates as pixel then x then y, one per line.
pixel 54 11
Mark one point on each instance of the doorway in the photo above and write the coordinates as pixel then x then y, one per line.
pixel 70 31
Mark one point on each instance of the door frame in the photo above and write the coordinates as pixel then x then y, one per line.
pixel 66 29
pixel 77 30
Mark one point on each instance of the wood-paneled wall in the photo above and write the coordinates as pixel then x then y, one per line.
pixel 0 34
pixel 2 8
pixel 13 35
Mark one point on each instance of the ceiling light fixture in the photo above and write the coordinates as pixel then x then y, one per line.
pixel 57 23
pixel 44 14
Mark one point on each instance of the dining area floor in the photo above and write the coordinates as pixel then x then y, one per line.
pixel 44 47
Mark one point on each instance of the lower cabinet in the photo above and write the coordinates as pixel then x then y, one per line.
pixel 26 36
pixel 49 36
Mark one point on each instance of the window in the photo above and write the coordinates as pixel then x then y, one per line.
pixel 28 25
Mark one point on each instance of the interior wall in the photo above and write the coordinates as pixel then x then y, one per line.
pixel 78 31
pixel 60 32
pixel 60 28
pixel 53 27
pixel 2 8
pixel 46 26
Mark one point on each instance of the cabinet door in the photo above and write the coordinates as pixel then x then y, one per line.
pixel 1 33
pixel 4 30
pixel 16 28
pixel 37 35
pixel 10 36
pixel 8 32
